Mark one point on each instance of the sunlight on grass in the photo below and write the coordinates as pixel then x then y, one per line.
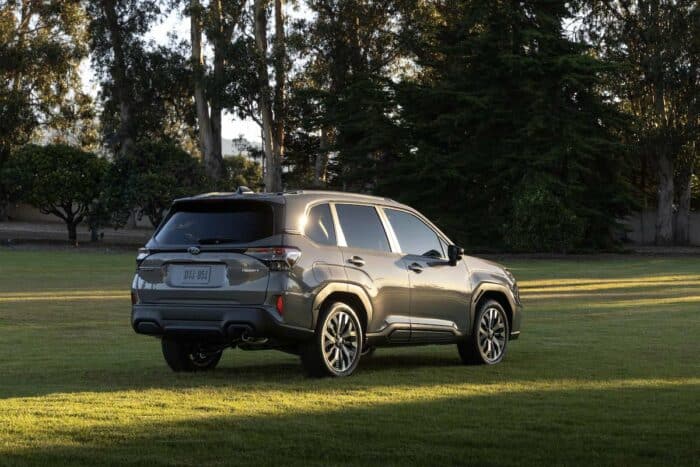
pixel 79 387
pixel 584 281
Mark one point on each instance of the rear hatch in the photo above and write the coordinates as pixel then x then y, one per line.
pixel 210 252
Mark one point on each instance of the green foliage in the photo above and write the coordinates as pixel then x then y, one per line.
pixel 502 97
pixel 240 171
pixel 540 221
pixel 57 179
pixel 41 45
pixel 149 180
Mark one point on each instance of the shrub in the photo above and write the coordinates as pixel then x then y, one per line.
pixel 542 222
pixel 149 179
pixel 58 179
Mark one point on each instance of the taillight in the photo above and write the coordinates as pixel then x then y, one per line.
pixel 279 304
pixel 278 258
pixel 134 298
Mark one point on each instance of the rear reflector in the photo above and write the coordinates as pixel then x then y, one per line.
pixel 280 305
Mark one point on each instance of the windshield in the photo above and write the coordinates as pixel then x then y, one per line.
pixel 214 223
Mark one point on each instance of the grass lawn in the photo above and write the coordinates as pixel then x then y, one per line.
pixel 607 371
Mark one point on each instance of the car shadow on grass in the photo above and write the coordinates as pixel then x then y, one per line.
pixel 527 426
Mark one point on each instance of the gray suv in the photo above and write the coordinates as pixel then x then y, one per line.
pixel 328 276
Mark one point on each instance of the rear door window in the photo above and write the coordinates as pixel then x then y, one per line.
pixel 217 222
pixel 319 225
pixel 362 227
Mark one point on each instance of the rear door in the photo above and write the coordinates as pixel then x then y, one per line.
pixel 200 254
pixel 440 293
pixel 370 263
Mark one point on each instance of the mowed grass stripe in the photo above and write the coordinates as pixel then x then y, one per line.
pixel 79 387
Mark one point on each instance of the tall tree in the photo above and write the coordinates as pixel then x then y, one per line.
pixel 658 41
pixel 117 32
pixel 505 121
pixel 272 98
pixel 41 46
pixel 215 22
pixel 352 49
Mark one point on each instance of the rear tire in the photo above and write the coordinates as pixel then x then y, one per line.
pixel 489 340
pixel 336 347
pixel 188 356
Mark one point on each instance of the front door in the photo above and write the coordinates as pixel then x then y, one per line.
pixel 440 293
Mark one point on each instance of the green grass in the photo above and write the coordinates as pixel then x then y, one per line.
pixel 606 373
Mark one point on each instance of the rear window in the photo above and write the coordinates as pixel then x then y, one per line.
pixel 217 222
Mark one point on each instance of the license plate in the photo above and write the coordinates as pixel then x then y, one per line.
pixel 195 275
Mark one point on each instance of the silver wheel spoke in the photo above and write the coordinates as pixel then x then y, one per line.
pixel 340 340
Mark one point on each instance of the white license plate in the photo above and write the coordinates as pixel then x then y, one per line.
pixel 195 275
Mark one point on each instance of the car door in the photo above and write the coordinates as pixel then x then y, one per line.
pixel 370 263
pixel 439 292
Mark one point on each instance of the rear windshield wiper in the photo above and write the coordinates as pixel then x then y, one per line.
pixel 216 240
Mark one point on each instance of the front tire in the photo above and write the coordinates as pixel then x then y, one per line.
pixel 336 346
pixel 489 340
pixel 188 356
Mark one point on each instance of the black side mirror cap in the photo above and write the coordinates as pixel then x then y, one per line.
pixel 454 254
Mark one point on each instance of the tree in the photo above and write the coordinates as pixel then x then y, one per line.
pixel 161 91
pixel 504 100
pixel 659 44
pixel 353 50
pixel 217 21
pixel 41 46
pixel 57 179
pixel 272 103
pixel 240 171
pixel 117 30
pixel 149 179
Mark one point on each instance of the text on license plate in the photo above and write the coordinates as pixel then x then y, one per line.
pixel 196 275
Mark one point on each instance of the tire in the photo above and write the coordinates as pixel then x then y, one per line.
pixel 336 347
pixel 189 356
pixel 489 340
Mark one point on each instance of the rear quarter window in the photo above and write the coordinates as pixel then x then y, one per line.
pixel 217 222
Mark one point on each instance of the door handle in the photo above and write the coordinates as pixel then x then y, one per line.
pixel 415 267
pixel 357 261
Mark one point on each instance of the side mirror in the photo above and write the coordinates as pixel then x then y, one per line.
pixel 454 254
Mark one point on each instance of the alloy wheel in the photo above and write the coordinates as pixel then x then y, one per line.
pixel 492 334
pixel 340 340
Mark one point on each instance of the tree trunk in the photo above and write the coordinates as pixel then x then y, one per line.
pixel 664 211
pixel 279 57
pixel 321 162
pixel 126 124
pixel 682 233
pixel 271 180
pixel 72 231
pixel 207 137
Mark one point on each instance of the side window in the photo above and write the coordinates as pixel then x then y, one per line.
pixel 362 227
pixel 319 225
pixel 415 238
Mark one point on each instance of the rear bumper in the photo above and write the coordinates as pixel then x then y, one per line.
pixel 213 323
